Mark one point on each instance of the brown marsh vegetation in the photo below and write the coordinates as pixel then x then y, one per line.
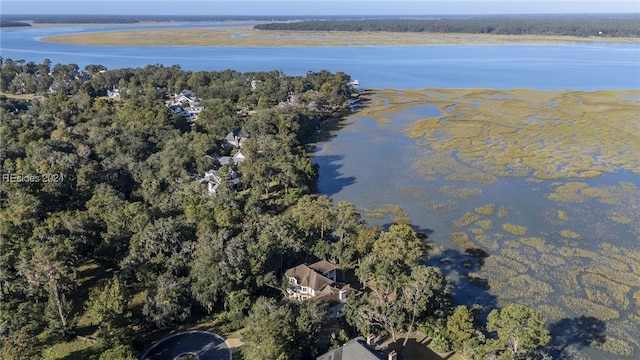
pixel 246 36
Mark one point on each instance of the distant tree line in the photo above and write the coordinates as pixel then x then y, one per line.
pixel 131 19
pixel 616 26
pixel 9 23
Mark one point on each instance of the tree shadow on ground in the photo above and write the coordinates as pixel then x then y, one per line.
pixel 418 348
pixel 333 180
pixel 83 354
pixel 462 269
pixel 579 333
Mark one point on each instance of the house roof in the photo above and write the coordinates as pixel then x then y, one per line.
pixel 306 276
pixel 323 266
pixel 236 137
pixel 331 294
pixel 354 349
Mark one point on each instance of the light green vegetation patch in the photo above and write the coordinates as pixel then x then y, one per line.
pixel 502 212
pixel 386 210
pixel 402 220
pixel 435 206
pixel 485 224
pixel 486 210
pixel 551 260
pixel 460 193
pixel 513 266
pixel 514 229
pixel 72 350
pixel 615 346
pixel 466 220
pixel 510 279
pixel 590 308
pixel 20 96
pixel 462 241
pixel 486 242
pixel 535 242
pixel 512 244
pixel 570 192
pixel 562 215
pixel 552 313
pixel 569 234
pixel 414 192
pixel 613 291
pixel 619 218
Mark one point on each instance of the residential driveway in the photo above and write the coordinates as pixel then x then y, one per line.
pixel 204 345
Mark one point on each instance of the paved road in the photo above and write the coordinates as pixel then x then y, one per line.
pixel 204 345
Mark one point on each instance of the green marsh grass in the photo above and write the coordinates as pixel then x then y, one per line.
pixel 514 229
pixel 535 242
pixel 562 215
pixel 485 224
pixel 615 346
pixel 589 308
pixel 436 206
pixel 613 291
pixel 228 36
pixel 486 210
pixel 466 220
pixel 541 136
pixel 569 234
pixel 486 242
pixel 460 193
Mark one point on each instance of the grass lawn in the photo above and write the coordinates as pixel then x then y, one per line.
pixel 21 96
pixel 73 350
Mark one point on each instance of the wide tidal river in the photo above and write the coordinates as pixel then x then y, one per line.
pixel 525 176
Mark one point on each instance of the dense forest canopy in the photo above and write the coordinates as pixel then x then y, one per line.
pixel 106 233
pixel 615 26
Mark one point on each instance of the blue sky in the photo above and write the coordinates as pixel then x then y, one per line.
pixel 316 7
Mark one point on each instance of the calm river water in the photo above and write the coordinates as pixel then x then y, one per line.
pixel 370 164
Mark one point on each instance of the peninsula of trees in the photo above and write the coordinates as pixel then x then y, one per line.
pixel 107 235
pixel 581 26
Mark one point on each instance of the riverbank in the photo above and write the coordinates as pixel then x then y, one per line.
pixel 245 36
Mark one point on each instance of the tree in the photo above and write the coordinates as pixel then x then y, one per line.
pixel 376 311
pixel 270 332
pixel 49 270
pixel 427 292
pixel 108 306
pixel 519 328
pixel 392 255
pixel 464 337
pixel 166 302
pixel 312 317
pixel 400 245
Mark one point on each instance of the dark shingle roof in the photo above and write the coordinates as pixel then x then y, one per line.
pixel 354 349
